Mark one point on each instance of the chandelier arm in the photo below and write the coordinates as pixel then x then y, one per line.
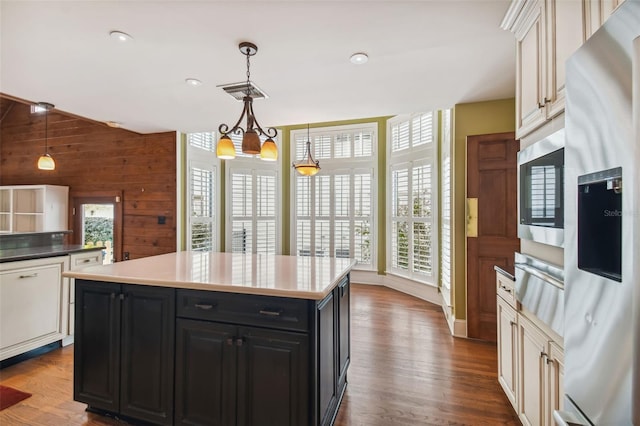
pixel 224 129
pixel 271 132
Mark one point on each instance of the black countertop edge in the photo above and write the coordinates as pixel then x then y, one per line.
pixel 30 253
pixel 505 273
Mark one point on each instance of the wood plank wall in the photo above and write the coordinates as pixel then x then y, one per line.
pixel 91 156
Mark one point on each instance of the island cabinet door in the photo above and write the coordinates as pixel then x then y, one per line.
pixel 96 367
pixel 147 345
pixel 344 331
pixel 273 378
pixel 205 373
pixel 326 312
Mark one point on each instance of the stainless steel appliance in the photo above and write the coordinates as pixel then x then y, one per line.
pixel 601 331
pixel 540 289
pixel 541 190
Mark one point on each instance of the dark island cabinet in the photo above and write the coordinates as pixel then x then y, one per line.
pixel 123 351
pixel 236 375
pixel 196 357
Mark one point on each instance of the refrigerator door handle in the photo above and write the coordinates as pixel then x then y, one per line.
pixel 564 418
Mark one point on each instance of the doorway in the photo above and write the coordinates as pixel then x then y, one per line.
pixel 492 225
pixel 97 221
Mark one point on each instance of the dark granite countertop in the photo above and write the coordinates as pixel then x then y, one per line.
pixel 28 253
pixel 505 273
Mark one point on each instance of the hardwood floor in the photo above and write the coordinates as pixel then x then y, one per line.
pixel 406 369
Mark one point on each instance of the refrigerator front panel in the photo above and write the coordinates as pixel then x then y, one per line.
pixel 599 321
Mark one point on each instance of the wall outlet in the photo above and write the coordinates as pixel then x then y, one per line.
pixel 126 255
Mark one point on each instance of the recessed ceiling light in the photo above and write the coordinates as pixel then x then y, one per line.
pixel 113 124
pixel 193 82
pixel 359 58
pixel 120 36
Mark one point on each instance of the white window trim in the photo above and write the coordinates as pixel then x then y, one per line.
pixel 423 153
pixel 335 166
pixel 207 159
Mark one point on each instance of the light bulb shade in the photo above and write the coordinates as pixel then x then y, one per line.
pixel 269 151
pixel 225 149
pixel 45 162
pixel 251 142
pixel 307 169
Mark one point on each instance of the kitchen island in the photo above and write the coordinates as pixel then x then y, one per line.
pixel 214 338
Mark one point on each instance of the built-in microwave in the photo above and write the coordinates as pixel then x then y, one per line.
pixel 541 191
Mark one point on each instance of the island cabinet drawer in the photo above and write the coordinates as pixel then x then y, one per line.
pixel 243 309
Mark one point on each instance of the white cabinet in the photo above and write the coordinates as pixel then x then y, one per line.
pixel 33 208
pixel 554 381
pixel 547 33
pixel 541 372
pixel 597 12
pixel 530 361
pixel 34 300
pixel 508 350
pixel 78 261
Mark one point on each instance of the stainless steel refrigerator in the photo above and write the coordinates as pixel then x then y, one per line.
pixel 602 225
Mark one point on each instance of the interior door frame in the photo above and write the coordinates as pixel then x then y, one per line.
pixel 76 199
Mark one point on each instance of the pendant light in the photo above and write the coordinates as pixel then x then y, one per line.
pixel 45 162
pixel 252 131
pixel 308 166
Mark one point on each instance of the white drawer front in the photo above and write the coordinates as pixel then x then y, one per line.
pixel 82 260
pixel 30 303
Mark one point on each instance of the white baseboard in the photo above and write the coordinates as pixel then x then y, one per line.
pixel 426 292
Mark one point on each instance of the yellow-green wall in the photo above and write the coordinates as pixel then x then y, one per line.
pixel 478 118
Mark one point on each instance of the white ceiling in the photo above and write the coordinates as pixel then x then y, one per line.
pixel 422 55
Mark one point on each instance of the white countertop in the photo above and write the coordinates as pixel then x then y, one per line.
pixel 301 277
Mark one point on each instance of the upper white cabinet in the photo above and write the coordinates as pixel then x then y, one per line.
pixel 597 11
pixel 33 208
pixel 547 33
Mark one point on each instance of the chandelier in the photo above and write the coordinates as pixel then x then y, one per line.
pixel 45 162
pixel 252 131
pixel 308 166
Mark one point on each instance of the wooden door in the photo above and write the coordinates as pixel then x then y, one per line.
pixel 492 180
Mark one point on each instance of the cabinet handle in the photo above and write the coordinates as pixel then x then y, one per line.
pixel 544 356
pixel 203 306
pixel 35 274
pixel 512 323
pixel 508 290
pixel 112 295
pixel 270 313
pixel 122 296
pixel 230 341
pixel 544 102
pixel 86 261
pixel 550 361
pixel 239 341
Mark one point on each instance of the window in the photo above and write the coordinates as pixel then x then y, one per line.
pixel 201 192
pixel 445 218
pixel 252 204
pixel 412 249
pixel 334 211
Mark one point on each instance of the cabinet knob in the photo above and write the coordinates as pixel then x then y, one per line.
pixel 239 341
pixel 512 323
pixel 230 341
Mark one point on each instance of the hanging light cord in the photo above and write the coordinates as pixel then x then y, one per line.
pixel 46 130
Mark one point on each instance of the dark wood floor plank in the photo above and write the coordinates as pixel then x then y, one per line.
pixel 406 369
